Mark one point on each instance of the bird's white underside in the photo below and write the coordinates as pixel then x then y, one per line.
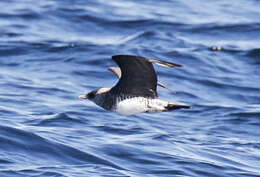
pixel 137 105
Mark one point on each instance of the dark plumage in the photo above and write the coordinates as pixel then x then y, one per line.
pixel 138 77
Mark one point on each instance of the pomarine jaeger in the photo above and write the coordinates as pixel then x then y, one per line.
pixel 135 92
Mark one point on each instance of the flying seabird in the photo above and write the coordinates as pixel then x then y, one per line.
pixel 135 92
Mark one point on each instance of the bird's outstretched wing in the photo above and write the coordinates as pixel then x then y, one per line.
pixel 138 77
pixel 117 72
pixel 164 63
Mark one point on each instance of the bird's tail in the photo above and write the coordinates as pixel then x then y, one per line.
pixel 171 106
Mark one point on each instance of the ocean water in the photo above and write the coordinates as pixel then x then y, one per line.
pixel 51 51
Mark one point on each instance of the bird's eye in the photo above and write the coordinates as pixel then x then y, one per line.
pixel 91 95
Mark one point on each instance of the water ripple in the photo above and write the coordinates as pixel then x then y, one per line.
pixel 53 51
pixel 35 146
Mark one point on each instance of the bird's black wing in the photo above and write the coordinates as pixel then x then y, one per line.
pixel 138 77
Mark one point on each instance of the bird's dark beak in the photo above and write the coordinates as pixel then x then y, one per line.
pixel 83 96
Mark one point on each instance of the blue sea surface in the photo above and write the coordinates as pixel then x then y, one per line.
pixel 52 51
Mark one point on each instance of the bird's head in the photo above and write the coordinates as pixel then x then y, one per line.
pixel 93 95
